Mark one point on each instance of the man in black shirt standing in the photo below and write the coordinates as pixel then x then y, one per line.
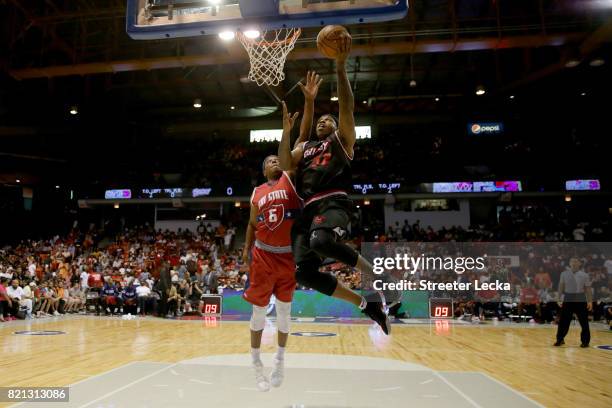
pixel 323 177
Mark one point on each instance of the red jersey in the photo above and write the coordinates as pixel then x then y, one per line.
pixel 94 280
pixel 277 206
pixel 529 296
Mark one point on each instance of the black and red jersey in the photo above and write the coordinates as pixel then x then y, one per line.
pixel 324 170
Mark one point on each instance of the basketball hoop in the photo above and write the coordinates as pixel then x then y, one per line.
pixel 267 56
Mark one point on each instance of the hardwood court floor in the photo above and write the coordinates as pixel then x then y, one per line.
pixel 520 356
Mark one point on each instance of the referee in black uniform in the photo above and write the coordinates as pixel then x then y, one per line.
pixel 575 289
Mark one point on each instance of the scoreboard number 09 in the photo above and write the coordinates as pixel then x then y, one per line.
pixel 440 308
pixel 213 304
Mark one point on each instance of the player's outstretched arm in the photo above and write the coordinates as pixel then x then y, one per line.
pixel 310 90
pixel 250 234
pixel 285 155
pixel 346 127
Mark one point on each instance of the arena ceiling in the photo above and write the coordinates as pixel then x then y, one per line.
pixel 64 53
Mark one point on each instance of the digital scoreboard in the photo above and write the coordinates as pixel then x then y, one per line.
pixel 441 308
pixel 213 304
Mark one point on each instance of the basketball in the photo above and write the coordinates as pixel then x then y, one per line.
pixel 327 40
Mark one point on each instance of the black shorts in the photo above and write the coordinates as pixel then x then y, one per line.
pixel 329 213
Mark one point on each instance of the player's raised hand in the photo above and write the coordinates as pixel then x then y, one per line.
pixel 288 119
pixel 313 81
pixel 344 48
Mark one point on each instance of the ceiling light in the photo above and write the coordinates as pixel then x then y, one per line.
pixel 334 98
pixel 237 204
pixel 437 99
pixel 511 96
pixel 197 103
pixel 412 83
pixel 226 35
pixel 480 90
pixel 17 181
pixel 597 62
pixel 568 198
pixel 74 110
pixel 57 187
pixel 232 107
pixel 252 34
pixel 116 206
pixel 583 94
pixel 572 63
pixel 364 102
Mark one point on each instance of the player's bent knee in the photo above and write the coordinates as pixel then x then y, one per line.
pixel 283 316
pixel 258 318
pixel 324 243
pixel 307 274
pixel 321 240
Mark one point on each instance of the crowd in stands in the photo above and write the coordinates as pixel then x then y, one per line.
pixel 515 223
pixel 139 271
pixel 148 272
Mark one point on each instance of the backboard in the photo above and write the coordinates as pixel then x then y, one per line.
pixel 158 19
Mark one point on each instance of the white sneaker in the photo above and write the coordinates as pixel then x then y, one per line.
pixel 276 378
pixel 261 380
pixel 55 313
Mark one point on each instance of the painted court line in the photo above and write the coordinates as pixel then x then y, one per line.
pixel 457 390
pixel 324 392
pixel 387 389
pixel 91 378
pixel 200 381
pixel 128 385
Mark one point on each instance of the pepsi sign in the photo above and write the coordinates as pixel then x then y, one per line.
pixel 485 128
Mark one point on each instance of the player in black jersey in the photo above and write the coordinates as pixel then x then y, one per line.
pixel 323 177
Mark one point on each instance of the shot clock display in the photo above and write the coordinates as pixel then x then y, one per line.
pixel 440 308
pixel 213 304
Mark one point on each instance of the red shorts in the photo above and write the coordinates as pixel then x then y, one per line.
pixel 111 300
pixel 270 273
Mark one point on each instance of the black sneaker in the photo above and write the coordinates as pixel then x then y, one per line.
pixel 559 343
pixel 584 345
pixel 375 312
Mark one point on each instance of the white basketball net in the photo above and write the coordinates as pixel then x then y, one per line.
pixel 267 56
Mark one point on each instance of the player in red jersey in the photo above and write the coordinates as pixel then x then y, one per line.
pixel 274 206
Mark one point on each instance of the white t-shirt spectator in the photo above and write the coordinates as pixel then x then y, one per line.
pixel 15 293
pixel 32 270
pixel 578 234
pixel 143 291
pixel 608 265
pixel 27 292
pixel 228 237
pixel 84 277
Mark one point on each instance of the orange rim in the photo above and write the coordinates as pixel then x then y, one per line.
pixel 296 34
